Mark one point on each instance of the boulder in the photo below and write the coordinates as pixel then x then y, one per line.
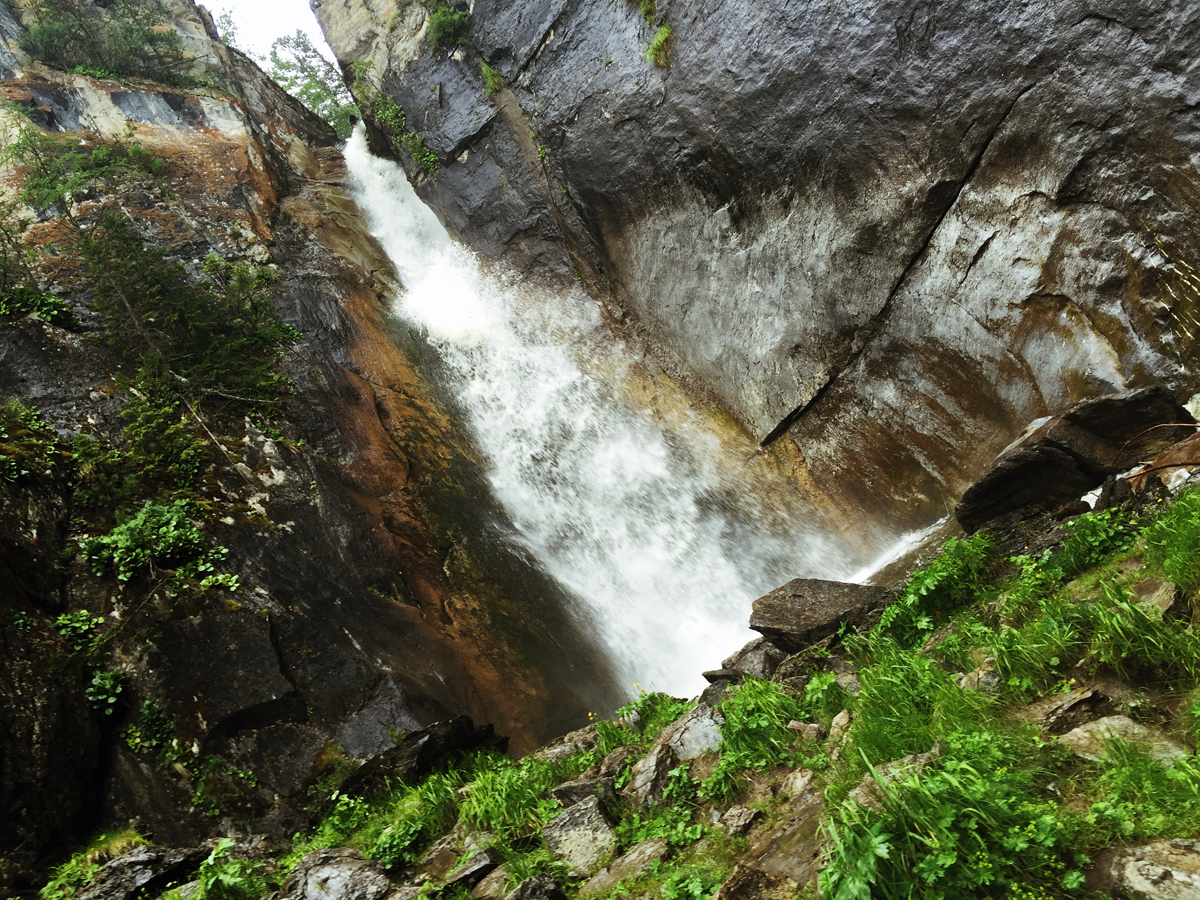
pixel 614 764
pixel 712 676
pixel 539 887
pixel 582 837
pixel 630 864
pixel 738 819
pixel 1162 870
pixel 797 782
pixel 838 727
pixel 746 883
pixel 474 868
pixel 985 679
pixel 759 658
pixel 792 848
pixel 568 745
pixel 337 874
pixel 807 609
pixel 1061 713
pixel 146 871
pixel 571 792
pixel 650 776
pixel 716 692
pixel 1091 740
pixel 420 753
pixel 1059 459
pixel 694 734
pixel 493 886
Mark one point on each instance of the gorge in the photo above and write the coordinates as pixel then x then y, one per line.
pixel 612 318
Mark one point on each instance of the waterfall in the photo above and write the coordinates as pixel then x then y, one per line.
pixel 659 537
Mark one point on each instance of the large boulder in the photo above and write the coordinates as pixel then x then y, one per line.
pixel 1162 870
pixel 1060 459
pixel 582 837
pixel 805 610
pixel 144 872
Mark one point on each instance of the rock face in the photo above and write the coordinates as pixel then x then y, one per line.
pixel 339 874
pixel 582 837
pixel 805 610
pixel 893 236
pixel 1063 458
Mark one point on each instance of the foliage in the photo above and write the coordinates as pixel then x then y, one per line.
pixel 511 799
pixel 1173 540
pixel 660 46
pixel 422 155
pixel 672 821
pixel 153 730
pixel 26 441
pixel 121 37
pixel 1141 798
pixel 1093 538
pixel 160 532
pixel 227 29
pixel 492 79
pixel 303 71
pixel 972 823
pixel 445 25
pixel 417 817
pixel 220 338
pixel 755 733
pixel 223 878
pixel 78 629
pixel 954 579
pixel 80 870
pixel 653 711
pixel 105 690
pixel 28 301
pixel 649 11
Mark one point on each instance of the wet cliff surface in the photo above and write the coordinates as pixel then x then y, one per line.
pixel 892 236
pixel 365 605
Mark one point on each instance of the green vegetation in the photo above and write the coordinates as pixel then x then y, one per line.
pixel 755 734
pixel 492 79
pixel 79 630
pixel 302 70
pixel 105 690
pixel 1173 541
pixel 160 532
pixel 660 47
pixel 27 443
pixel 390 114
pixel 445 26
pixel 122 38
pixel 76 873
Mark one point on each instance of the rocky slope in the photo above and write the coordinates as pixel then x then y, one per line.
pixel 364 603
pixel 891 235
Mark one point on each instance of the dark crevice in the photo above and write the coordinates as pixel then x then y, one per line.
pixel 871 329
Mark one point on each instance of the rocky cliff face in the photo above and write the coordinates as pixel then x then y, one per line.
pixel 890 235
pixel 365 607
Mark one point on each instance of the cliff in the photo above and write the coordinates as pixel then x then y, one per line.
pixel 890 236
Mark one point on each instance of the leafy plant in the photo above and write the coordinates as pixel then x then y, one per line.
pixel 755 733
pixel 105 690
pixel 1093 538
pixel 28 301
pixel 153 730
pixel 220 877
pixel 159 532
pixel 302 70
pixel 78 629
pixel 122 37
pixel 26 441
pixel 445 25
pixel 511 799
pixel 672 820
pixel 660 46
pixel 492 79
pixel 1173 540
pixel 68 879
pixel 653 711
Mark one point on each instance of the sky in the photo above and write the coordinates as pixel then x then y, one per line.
pixel 260 22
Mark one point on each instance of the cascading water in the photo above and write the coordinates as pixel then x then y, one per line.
pixel 656 535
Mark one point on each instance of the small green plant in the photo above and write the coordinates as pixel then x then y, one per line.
pixel 68 879
pixel 672 820
pixel 160 532
pixel 28 301
pixel 1173 540
pixel 660 46
pixel 445 25
pixel 27 443
pixel 220 877
pixel 755 734
pixel 511 799
pixel 79 629
pixel 649 11
pixel 105 690
pixel 390 113
pixel 21 620
pixel 153 730
pixel 492 79
pixel 421 154
pixel 1093 538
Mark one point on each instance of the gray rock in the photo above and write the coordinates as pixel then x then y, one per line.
pixel 1162 870
pixel 838 727
pixel 985 679
pixel 630 864
pixel 807 609
pixel 715 693
pixel 571 792
pixel 539 887
pixel 650 776
pixel 714 675
pixel 795 783
pixel 738 819
pixel 792 848
pixel 615 763
pixel 474 868
pixel 338 874
pixel 747 883
pixel 493 887
pixel 1061 713
pixel 1091 740
pixel 144 871
pixel 1071 454
pixel 806 731
pixel 582 837
pixel 568 745
pixel 694 734
pixel 759 659
pixel 870 791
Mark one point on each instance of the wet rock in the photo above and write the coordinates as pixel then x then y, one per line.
pixel 539 887
pixel 630 864
pixel 338 874
pixel 714 675
pixel 1070 454
pixel 792 848
pixel 582 837
pixel 759 659
pixel 492 887
pixel 694 734
pixel 616 762
pixel 806 731
pixel 715 693
pixel 650 776
pixel 1091 740
pixel 145 871
pixel 738 819
pixel 474 868
pixel 439 860
pixel 420 753
pixel 568 745
pixel 571 792
pixel 807 609
pixel 747 883
pixel 1162 870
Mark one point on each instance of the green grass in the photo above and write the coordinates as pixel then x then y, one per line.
pixel 755 734
pixel 67 879
pixel 660 46
pixel 1173 541
pixel 492 79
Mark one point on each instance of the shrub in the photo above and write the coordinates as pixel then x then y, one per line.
pixel 160 532
pixel 660 46
pixel 1141 798
pixel 1173 541
pixel 123 38
pixel 445 25
pixel 80 870
pixel 755 733
pixel 418 817
pixel 105 690
pixel 27 443
pixel 1093 538
pixel 222 878
pixel 78 629
pixel 492 79
pixel 28 301
pixel 510 799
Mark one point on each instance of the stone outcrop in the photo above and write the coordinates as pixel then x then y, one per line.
pixel 805 610
pixel 582 837
pixel 1061 459
pixel 338 874
pixel 1162 870
pixel 887 239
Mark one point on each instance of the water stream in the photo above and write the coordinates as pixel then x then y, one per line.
pixel 660 538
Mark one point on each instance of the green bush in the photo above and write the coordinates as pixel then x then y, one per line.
pixel 445 26
pixel 1173 541
pixel 1142 799
pixel 511 800
pixel 160 532
pixel 755 733
pixel 1093 538
pixel 121 38
pixel 26 301
pixel 27 443
pixel 79 629
pixel 223 878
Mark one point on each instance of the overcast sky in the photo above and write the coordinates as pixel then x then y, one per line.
pixel 260 22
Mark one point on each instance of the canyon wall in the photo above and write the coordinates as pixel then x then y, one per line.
pixel 887 234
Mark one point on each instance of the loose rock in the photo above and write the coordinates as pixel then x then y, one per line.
pixel 340 874
pixel 695 734
pixel 582 837
pixel 571 792
pixel 738 819
pixel 630 864
pixel 1163 870
pixel 746 883
pixel 807 609
pixel 650 776
pixel 1091 740
pixel 759 658
pixel 539 887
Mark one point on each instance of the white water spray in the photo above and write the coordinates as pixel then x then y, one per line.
pixel 657 537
